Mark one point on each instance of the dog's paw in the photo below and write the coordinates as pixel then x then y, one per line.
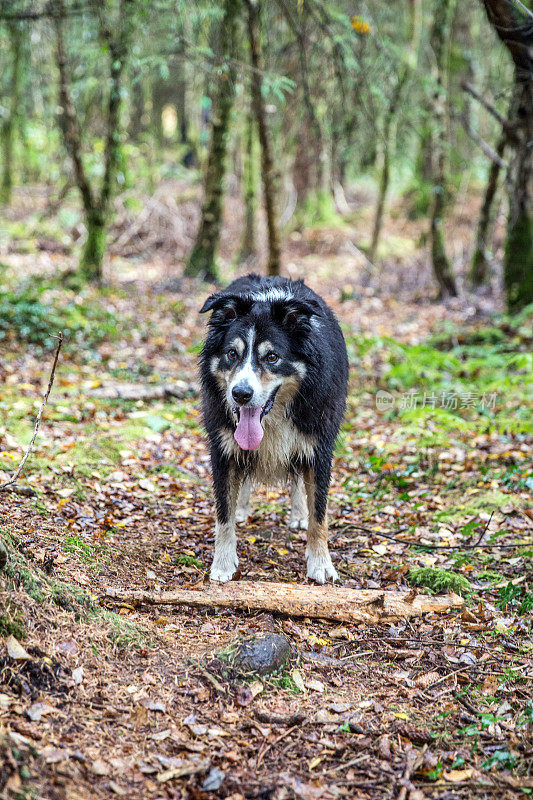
pixel 320 569
pixel 242 514
pixel 222 574
pixel 223 569
pixel 298 523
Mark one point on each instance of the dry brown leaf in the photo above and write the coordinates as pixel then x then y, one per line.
pixel 15 650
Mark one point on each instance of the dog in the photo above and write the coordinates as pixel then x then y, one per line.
pixel 274 374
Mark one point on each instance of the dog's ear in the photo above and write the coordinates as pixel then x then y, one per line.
pixel 225 307
pixel 296 315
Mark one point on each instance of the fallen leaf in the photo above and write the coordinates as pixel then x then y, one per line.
pixel 296 675
pixel 243 696
pixel 99 767
pixel 214 780
pixel 457 775
pixel 38 710
pixel 15 650
pixel 77 675
pixel 316 686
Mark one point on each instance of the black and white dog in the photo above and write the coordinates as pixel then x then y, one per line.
pixel 274 374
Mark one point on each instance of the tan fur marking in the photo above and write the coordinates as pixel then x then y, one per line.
pixel 264 348
pixel 319 565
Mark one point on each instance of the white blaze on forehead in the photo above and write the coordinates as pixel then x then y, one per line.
pixel 273 294
pixel 246 373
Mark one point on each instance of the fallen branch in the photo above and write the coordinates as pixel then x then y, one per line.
pixel 141 391
pixel 300 600
pixel 20 467
pixel 466 546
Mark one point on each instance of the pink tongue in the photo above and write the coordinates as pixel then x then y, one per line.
pixel 249 432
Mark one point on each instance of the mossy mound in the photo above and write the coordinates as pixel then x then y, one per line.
pixel 439 580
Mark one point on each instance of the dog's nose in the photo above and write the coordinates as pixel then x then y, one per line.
pixel 242 393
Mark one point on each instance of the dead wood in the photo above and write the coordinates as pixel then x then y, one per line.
pixel 300 600
pixel 143 391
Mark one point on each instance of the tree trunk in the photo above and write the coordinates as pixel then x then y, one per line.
pixel 479 264
pixel 96 205
pixel 518 260
pixel 339 603
pixel 403 76
pixel 249 243
pixel 513 26
pixel 8 127
pixel 92 256
pixel 442 267
pixel 202 260
pixel 267 165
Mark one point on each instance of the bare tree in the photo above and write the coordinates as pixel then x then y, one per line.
pixel 96 204
pixel 513 23
pixel 440 35
pixel 7 127
pixel 202 260
pixel 268 175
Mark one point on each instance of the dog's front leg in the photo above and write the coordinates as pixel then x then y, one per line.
pixel 319 565
pixel 299 515
pixel 243 501
pixel 227 482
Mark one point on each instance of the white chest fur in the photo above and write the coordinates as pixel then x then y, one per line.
pixel 281 443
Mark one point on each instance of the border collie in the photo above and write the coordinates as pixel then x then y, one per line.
pixel 274 374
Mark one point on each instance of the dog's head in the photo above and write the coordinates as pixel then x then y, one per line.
pixel 254 351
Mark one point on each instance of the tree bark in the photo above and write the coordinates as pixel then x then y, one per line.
pixel 372 606
pixel 268 175
pixel 479 263
pixel 95 204
pixel 513 26
pixel 403 76
pixel 8 126
pixel 249 237
pixel 202 260
pixel 442 267
pixel 518 259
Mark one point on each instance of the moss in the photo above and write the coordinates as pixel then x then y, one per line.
pixel 484 501
pixel 11 620
pixel 317 209
pixel 518 263
pixel 93 250
pixel 439 580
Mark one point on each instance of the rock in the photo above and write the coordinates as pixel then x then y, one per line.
pixel 214 780
pixel 263 653
pixel 3 556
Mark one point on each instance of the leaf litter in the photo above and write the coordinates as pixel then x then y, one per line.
pixel 119 701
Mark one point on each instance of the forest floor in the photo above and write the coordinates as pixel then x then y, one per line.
pixel 109 700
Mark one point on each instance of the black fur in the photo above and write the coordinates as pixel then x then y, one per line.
pixel 304 329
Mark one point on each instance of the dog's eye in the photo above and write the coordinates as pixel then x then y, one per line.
pixel 272 358
pixel 232 354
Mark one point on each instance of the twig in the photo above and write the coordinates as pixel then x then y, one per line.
pixel 487 149
pixel 506 125
pixel 17 472
pixel 393 538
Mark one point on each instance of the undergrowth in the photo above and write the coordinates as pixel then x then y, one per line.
pixel 439 580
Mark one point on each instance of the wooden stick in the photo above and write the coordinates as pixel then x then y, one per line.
pixel 17 472
pixel 300 600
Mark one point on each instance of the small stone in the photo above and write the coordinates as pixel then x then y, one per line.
pixel 263 653
pixel 214 780
pixel 3 556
